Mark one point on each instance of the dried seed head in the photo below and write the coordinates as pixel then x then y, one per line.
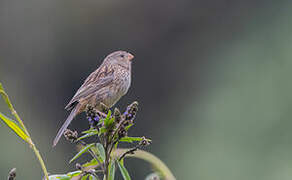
pixel 78 166
pixel 71 136
pixel 145 142
pixel 122 133
pixel 126 123
pixel 117 115
pixel 131 111
pixel 92 115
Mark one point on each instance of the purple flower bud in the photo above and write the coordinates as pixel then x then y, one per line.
pixel 96 119
pixel 89 119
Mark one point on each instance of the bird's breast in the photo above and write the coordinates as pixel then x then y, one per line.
pixel 119 88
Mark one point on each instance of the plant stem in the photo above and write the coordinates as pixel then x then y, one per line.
pixel 38 155
pixel 31 144
pixel 153 160
pixel 106 163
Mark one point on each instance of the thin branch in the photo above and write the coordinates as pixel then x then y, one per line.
pixel 130 151
pixel 32 145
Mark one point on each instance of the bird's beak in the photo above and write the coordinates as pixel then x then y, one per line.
pixel 130 56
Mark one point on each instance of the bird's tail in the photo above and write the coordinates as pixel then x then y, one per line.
pixel 65 125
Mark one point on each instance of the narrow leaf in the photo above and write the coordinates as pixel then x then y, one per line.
pixel 101 151
pixel 128 127
pixel 74 173
pixel 82 151
pixel 88 135
pixel 92 177
pixel 84 177
pixel 124 171
pixel 107 119
pixel 89 131
pixel 59 177
pixel 110 122
pixel 131 139
pixel 96 152
pixel 101 130
pixel 93 162
pixel 12 125
pixel 5 97
pixel 109 114
pixel 112 170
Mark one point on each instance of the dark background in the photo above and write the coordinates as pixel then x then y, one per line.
pixel 212 78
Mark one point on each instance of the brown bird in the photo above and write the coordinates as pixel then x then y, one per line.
pixel 106 85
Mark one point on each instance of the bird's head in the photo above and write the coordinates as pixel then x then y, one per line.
pixel 121 57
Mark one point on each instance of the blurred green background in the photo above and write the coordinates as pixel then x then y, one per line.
pixel 213 79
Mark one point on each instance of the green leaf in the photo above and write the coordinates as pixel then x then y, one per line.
pixel 89 131
pixel 67 176
pixel 82 151
pixel 111 122
pixel 91 177
pixel 131 139
pixel 93 162
pixel 109 114
pixel 12 125
pixel 84 177
pixel 123 171
pixel 5 97
pixel 59 177
pixel 96 152
pixel 74 173
pixel 112 170
pixel 101 151
pixel 128 127
pixel 101 130
pixel 88 135
pixel 107 119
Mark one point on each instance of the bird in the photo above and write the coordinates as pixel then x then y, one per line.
pixel 106 85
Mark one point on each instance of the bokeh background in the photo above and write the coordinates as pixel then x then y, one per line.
pixel 213 79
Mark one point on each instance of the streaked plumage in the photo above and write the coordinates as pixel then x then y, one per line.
pixel 105 85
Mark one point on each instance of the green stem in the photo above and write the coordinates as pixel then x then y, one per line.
pixel 31 144
pixel 38 155
pixel 153 160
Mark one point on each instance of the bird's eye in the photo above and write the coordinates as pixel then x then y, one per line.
pixel 122 55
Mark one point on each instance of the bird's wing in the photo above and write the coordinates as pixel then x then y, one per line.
pixel 102 77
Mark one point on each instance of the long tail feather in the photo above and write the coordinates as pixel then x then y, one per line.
pixel 65 125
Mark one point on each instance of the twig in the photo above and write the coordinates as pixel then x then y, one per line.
pixel 130 151
pixel 142 143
